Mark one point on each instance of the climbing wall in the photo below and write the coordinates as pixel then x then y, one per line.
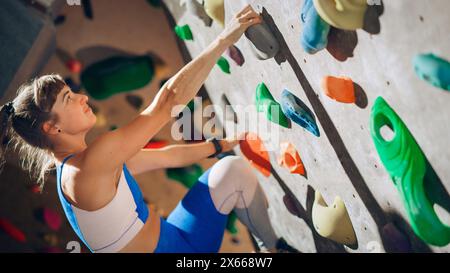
pixel 343 160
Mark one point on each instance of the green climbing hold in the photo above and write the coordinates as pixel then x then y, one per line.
pixel 184 32
pixel 266 103
pixel 155 3
pixel 191 106
pixel 433 70
pixel 116 75
pixel 224 65
pixel 406 164
pixel 187 176
pixel 231 223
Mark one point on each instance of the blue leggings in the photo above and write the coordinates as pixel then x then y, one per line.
pixel 195 225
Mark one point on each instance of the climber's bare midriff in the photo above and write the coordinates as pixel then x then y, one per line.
pixel 147 238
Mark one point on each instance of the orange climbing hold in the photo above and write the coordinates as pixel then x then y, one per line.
pixel 339 88
pixel 290 158
pixel 253 149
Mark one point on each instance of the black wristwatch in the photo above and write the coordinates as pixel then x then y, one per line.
pixel 217 146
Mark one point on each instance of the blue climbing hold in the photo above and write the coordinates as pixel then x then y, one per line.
pixel 315 30
pixel 433 70
pixel 296 110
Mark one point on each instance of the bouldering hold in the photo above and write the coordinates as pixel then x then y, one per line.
pixel 236 55
pixel 235 240
pixel 117 74
pixel 187 176
pixel 59 20
pixel 135 101
pixel 263 43
pixel 35 188
pixel 197 9
pixel 155 144
pixel 267 104
pixel 406 165
pixel 433 70
pixel 290 205
pixel 12 231
pixel 184 32
pixel 394 241
pixel 231 223
pixel 315 30
pixel 296 110
pixel 215 9
pixel 154 3
pixel 51 239
pixel 290 159
pixel 73 86
pixel 340 89
pixel 343 14
pixel 74 66
pixel 224 65
pixel 191 105
pixel 87 9
pixel 252 147
pixel 333 222
pixel 50 217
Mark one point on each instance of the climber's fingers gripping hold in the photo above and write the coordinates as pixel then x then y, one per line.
pixel 239 24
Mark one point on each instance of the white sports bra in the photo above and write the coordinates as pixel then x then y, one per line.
pixel 113 226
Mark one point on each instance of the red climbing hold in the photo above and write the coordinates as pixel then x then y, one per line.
pixel 253 149
pixel 12 230
pixel 74 66
pixel 35 188
pixel 155 144
pixel 52 218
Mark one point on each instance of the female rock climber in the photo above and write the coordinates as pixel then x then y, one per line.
pixel 101 199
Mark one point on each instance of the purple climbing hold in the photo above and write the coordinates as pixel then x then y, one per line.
pixel 290 206
pixel 236 55
pixel 134 101
pixel 394 240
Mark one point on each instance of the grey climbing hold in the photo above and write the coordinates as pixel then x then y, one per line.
pixel 263 43
pixel 197 9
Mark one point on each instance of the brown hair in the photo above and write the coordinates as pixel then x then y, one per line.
pixel 21 124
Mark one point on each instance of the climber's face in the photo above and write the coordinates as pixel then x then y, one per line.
pixel 73 114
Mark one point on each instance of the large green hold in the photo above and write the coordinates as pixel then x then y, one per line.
pixel 116 75
pixel 187 176
pixel 406 164
pixel 266 103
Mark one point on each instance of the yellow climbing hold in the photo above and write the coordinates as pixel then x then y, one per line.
pixel 343 14
pixel 215 9
pixel 333 222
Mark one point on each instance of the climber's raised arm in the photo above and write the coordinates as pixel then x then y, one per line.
pixel 116 147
